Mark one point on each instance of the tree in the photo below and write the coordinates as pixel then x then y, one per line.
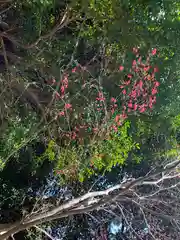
pixel 82 96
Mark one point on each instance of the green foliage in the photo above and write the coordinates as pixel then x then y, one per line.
pixel 111 152
pixel 98 39
pixel 176 122
pixel 49 153
pixel 14 137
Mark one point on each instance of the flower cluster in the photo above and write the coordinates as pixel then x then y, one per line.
pixel 140 88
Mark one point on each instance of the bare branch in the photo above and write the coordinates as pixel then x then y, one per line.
pixel 46 233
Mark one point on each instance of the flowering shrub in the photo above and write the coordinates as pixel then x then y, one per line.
pixel 87 113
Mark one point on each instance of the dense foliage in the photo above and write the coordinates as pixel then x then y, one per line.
pixel 88 89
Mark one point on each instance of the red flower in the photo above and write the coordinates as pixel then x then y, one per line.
pixel 156 84
pixel 134 63
pixel 135 107
pixel 133 94
pixel 156 69
pixel 154 91
pixel 136 69
pixel 146 68
pixel 115 128
pixel 112 110
pixel 127 82
pixel 129 76
pixel 100 97
pixel 124 116
pixel 150 105
pixel 73 135
pixel 121 68
pixel 115 105
pixel 68 106
pixel 124 92
pixel 149 77
pixel 65 80
pixel 130 105
pixel 63 90
pixel 113 100
pixel 62 113
pixel 117 118
pixel 154 99
pixel 142 108
pixel 154 51
pixel 74 70
pixel 140 84
pixel 57 95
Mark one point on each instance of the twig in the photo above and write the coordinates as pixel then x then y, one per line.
pixel 64 21
pixel 46 233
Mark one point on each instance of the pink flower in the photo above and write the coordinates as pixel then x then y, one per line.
pixel 115 128
pixel 130 105
pixel 121 86
pixel 127 82
pixel 138 92
pixel 156 69
pixel 140 84
pixel 156 84
pixel 154 51
pixel 124 116
pixel 134 63
pixel 149 77
pixel 63 90
pixel 133 94
pixel 144 94
pixel 135 107
pixel 142 108
pixel 68 106
pixel 62 113
pixel 146 68
pixel 100 97
pixel 154 99
pixel 117 118
pixel 112 110
pixel 57 95
pixel 124 92
pixel 150 105
pixel 73 135
pixel 136 69
pixel 65 80
pixel 154 91
pixel 113 100
pixel 121 68
pixel 74 69
pixel 129 76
